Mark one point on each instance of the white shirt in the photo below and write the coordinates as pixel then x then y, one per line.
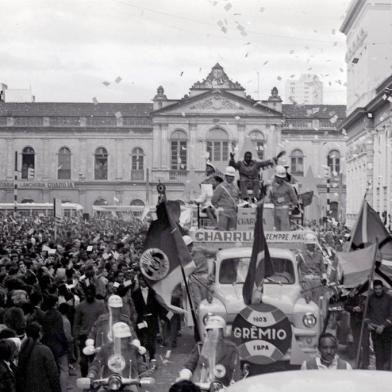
pixel 321 366
pixel 144 293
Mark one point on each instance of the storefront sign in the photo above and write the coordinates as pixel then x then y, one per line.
pixel 38 184
pixel 262 333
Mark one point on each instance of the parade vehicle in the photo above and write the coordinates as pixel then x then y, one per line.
pixel 70 210
pixel 285 327
pixel 315 380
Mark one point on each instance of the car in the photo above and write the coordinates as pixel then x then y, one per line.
pixel 284 291
pixel 316 380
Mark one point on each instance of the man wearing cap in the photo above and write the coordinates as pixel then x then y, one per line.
pixel 101 332
pixel 129 366
pixel 217 359
pixel 208 186
pixel 283 197
pixel 226 197
pixel 249 173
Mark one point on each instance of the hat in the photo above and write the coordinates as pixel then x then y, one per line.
pixel 230 171
pixel 280 171
pixel 121 330
pixel 115 301
pixel 187 239
pixel 208 163
pixel 215 322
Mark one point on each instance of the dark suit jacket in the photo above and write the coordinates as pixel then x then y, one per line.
pixel 149 311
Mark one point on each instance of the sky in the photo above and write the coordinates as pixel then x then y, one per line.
pixel 122 50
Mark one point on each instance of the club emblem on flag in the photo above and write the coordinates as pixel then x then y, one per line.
pixel 154 264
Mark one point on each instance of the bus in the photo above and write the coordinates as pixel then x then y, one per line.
pixel 70 210
pixel 125 213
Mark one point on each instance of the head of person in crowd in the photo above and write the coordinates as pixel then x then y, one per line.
pixel 115 304
pixel 6 333
pixel 90 293
pixel 229 174
pixel 34 331
pixel 188 242
pixel 142 281
pixel 280 174
pixel 89 270
pixel 8 349
pixel 248 157
pixel 378 287
pixel 184 386
pixel 327 346
pixel 15 319
pixel 210 169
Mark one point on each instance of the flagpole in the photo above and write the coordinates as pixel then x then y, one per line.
pixel 365 310
pixel 162 199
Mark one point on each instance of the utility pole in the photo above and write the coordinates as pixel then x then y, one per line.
pixel 16 184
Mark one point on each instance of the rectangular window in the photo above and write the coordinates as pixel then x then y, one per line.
pixel 219 151
pixel 178 155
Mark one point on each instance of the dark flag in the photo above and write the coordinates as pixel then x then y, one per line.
pixel 306 198
pixel 368 229
pixel 164 255
pixel 260 265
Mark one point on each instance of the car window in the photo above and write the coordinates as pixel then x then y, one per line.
pixel 234 270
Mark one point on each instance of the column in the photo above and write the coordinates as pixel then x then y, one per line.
pixel 44 160
pixel 194 161
pixel 82 157
pixel 119 159
pixel 164 150
pixel 10 164
pixel 156 145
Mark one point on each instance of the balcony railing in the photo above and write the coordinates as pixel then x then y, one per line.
pixel 137 175
pixel 178 175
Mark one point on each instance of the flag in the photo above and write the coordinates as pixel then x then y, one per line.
pixel 164 255
pixel 58 211
pixel 306 198
pixel 260 265
pixel 369 228
pixel 357 265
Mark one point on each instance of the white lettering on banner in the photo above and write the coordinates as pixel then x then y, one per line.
pixel 255 333
pixel 245 236
pixel 261 319
pixel 260 347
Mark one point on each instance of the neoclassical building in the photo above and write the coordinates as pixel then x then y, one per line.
pixel 116 153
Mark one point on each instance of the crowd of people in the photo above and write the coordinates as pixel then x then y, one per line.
pixel 68 290
pixel 59 286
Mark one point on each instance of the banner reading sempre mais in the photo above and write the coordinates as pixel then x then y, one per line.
pixel 245 236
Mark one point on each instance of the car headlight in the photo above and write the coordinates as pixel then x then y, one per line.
pixel 309 320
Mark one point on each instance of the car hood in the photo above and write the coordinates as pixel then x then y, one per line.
pixel 283 297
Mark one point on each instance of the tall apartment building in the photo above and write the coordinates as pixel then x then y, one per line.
pixel 307 90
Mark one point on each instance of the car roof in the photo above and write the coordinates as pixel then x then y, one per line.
pixel 316 380
pixel 247 251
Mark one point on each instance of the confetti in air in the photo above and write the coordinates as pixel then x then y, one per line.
pixel 118 79
pixel 105 83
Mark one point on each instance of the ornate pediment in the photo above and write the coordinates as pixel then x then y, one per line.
pixel 217 78
pixel 219 103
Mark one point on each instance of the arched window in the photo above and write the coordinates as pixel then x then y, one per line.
pixel 258 140
pixel 333 162
pixel 28 163
pixel 137 202
pixel 64 164
pixel 297 162
pixel 218 145
pixel 100 202
pixel 137 165
pixel 101 164
pixel 178 151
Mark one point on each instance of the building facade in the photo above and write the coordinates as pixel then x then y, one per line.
pixel 307 90
pixel 369 122
pixel 368 31
pixel 112 153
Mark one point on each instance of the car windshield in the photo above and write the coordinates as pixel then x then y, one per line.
pixel 234 270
